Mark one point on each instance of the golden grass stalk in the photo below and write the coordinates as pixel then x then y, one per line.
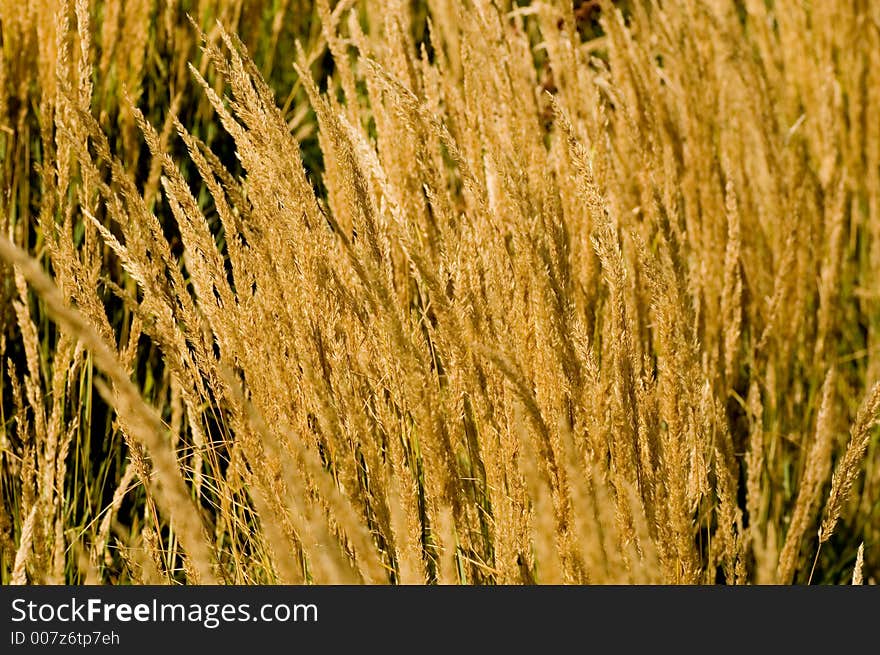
pixel 848 468
pixel 857 578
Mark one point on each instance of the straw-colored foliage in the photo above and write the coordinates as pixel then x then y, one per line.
pixel 457 292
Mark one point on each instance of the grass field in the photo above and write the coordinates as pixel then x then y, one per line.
pixel 479 292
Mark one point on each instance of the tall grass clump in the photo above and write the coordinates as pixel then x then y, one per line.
pixel 479 292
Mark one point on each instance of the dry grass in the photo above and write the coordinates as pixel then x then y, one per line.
pixel 464 292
